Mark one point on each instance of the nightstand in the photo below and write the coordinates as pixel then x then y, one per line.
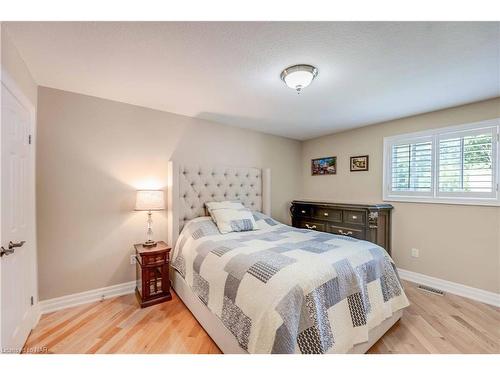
pixel 153 283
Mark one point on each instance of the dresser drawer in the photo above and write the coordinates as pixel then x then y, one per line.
pixel 307 224
pixel 302 211
pixel 351 232
pixel 355 217
pixel 328 214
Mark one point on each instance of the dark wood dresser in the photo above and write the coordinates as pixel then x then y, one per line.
pixel 365 222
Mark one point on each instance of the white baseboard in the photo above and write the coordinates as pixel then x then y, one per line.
pixel 448 286
pixel 93 295
pixel 37 314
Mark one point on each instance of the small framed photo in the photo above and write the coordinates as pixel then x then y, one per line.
pixel 359 163
pixel 324 166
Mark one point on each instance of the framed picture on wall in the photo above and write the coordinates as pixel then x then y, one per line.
pixel 359 163
pixel 324 166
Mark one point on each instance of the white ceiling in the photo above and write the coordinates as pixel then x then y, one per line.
pixel 229 72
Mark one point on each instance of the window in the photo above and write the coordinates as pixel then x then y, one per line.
pixel 449 165
pixel 412 167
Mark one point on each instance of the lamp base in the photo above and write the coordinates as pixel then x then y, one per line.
pixel 149 243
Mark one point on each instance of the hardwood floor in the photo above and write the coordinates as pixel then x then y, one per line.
pixel 448 324
pixel 432 324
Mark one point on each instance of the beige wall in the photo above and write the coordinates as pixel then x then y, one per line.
pixel 14 66
pixel 92 156
pixel 457 243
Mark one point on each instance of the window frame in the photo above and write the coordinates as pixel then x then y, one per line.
pixel 434 196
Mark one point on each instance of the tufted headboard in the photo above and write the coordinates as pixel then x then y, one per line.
pixel 191 186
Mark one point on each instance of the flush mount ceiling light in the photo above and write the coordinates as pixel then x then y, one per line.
pixel 299 76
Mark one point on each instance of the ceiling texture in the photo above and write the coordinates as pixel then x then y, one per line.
pixel 229 72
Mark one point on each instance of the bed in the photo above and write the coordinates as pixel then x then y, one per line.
pixel 278 289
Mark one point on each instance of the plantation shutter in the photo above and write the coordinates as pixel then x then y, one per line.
pixel 452 165
pixel 466 163
pixel 411 167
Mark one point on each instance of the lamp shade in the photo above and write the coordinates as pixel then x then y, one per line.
pixel 149 200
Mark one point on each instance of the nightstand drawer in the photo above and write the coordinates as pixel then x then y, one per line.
pixel 355 217
pixel 152 260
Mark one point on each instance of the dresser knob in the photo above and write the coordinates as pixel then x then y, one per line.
pixel 345 233
pixel 310 226
pixel 326 214
pixel 354 217
pixel 303 211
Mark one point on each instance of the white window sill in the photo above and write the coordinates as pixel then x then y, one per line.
pixel 459 201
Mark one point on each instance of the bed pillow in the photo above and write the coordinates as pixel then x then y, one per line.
pixel 236 205
pixel 231 216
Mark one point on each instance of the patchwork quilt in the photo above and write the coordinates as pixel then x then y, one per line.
pixel 287 290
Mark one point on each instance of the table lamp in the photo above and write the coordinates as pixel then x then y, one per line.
pixel 150 200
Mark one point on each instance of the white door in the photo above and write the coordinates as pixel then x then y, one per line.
pixel 18 282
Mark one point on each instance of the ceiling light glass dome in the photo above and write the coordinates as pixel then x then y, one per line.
pixel 299 76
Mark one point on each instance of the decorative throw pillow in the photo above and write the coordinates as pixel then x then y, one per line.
pixel 231 216
pixel 236 205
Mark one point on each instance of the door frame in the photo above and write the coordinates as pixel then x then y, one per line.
pixel 11 85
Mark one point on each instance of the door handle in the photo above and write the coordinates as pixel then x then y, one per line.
pixel 16 244
pixel 11 249
pixel 5 251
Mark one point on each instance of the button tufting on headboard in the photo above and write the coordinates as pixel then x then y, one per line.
pixel 198 184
